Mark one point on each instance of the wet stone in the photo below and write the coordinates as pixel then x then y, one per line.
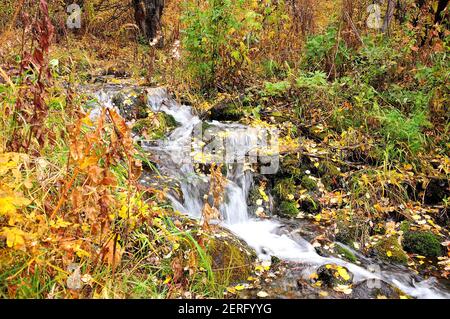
pixel 373 289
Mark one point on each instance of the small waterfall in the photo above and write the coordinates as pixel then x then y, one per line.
pixel 175 154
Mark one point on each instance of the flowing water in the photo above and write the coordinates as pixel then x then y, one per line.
pixel 264 236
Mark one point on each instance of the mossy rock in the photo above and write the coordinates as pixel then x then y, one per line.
pixel 288 209
pixel 308 183
pixel 254 196
pixel 206 125
pixel 371 289
pixel 155 126
pixel 332 275
pixel 389 249
pixel 231 259
pixel 346 253
pixel 422 243
pixel 131 105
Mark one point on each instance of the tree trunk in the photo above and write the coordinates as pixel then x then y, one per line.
pixel 147 14
pixel 389 15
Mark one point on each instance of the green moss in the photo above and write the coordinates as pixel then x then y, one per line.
pixel 346 253
pixel 404 226
pixel 389 249
pixel 169 120
pixel 422 243
pixel 205 126
pixel 140 125
pixel 284 187
pixel 288 209
pixel 309 183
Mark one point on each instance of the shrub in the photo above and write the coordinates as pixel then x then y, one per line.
pixel 217 38
pixel 277 88
pixel 399 129
pixel 324 50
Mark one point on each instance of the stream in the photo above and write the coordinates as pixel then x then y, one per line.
pixel 268 237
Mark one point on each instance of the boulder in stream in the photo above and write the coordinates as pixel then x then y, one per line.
pixel 373 289
pixel 333 275
pixel 132 104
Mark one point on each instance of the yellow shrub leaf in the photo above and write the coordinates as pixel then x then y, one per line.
pixel 15 238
